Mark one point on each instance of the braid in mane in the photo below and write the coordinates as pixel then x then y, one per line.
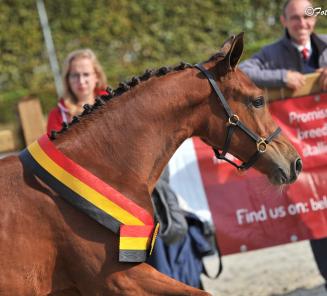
pixel 163 71
pixel 87 109
pixel 147 74
pixel 182 66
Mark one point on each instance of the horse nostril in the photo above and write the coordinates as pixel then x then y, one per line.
pixel 298 166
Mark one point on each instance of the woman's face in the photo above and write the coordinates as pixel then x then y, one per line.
pixel 82 79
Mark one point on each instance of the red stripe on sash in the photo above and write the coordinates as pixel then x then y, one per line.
pixel 94 182
pixel 136 231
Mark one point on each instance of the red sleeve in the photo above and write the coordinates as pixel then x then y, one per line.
pixel 101 92
pixel 54 121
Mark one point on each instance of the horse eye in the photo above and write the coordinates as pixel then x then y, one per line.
pixel 258 102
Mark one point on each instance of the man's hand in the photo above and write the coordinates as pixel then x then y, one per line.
pixel 295 80
pixel 323 78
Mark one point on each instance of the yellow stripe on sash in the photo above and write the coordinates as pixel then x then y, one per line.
pixel 81 188
pixel 133 243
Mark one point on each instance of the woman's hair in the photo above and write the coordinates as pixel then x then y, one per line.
pixel 82 53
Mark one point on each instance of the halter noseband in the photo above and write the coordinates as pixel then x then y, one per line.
pixel 233 122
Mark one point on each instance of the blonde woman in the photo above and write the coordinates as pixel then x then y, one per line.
pixel 83 79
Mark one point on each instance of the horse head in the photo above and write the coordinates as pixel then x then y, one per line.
pixel 239 121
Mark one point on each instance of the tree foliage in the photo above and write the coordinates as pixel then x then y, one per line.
pixel 128 36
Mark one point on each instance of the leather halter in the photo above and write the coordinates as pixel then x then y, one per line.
pixel 233 122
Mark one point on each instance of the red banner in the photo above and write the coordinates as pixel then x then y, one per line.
pixel 248 212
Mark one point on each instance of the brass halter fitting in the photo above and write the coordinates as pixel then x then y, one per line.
pixel 262 145
pixel 233 123
pixel 233 119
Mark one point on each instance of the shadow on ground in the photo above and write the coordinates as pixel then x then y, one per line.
pixel 316 291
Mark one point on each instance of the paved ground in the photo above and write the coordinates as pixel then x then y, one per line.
pixel 287 270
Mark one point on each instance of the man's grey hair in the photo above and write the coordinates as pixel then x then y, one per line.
pixel 287 2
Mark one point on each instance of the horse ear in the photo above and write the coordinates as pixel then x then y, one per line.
pixel 225 48
pixel 233 49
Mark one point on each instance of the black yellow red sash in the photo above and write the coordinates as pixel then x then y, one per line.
pixel 94 197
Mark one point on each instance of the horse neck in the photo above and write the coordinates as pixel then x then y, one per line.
pixel 128 142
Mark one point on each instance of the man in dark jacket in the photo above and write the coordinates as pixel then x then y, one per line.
pixel 299 51
pixel 283 63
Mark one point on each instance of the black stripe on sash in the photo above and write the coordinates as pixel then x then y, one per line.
pixel 132 256
pixel 65 192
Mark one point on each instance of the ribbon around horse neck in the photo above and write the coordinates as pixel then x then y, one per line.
pixel 94 197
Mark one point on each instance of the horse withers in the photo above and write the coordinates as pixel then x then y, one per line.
pixel 48 247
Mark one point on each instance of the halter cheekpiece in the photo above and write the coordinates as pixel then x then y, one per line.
pixel 232 123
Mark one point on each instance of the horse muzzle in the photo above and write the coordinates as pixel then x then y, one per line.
pixel 283 175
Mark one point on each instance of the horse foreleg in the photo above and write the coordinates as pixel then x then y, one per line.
pixel 144 280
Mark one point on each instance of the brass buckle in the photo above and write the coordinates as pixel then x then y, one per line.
pixel 262 145
pixel 233 119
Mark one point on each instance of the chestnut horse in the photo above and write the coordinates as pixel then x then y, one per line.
pixel 49 247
